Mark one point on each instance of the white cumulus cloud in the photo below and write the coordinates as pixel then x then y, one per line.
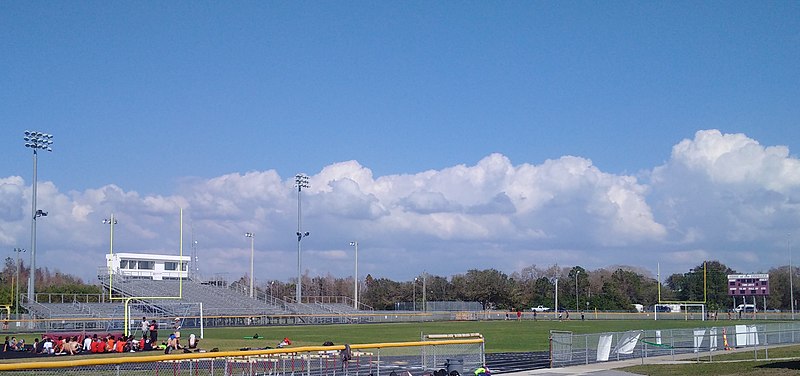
pixel 718 196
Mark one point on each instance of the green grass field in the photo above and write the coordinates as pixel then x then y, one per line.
pixel 751 368
pixel 501 336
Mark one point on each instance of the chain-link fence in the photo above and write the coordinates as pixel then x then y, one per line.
pixel 460 355
pixel 572 349
pixel 115 322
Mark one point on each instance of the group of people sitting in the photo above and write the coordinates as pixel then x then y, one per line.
pixel 89 344
pixel 94 344
pixel 111 344
pixel 14 345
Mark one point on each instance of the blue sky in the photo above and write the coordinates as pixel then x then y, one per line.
pixel 156 102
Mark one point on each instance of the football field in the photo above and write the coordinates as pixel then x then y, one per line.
pixel 500 336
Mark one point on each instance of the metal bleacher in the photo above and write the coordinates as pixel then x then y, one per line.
pixel 174 296
pixel 216 302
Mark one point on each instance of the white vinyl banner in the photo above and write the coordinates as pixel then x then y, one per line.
pixel 752 337
pixel 627 342
pixel 741 335
pixel 698 338
pixel 604 347
pixel 712 337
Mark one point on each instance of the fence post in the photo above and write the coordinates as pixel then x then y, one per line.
pixel 483 354
pixel 672 343
pixel 644 350
pixel 586 337
pixel 433 350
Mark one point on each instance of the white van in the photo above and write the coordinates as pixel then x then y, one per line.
pixel 746 308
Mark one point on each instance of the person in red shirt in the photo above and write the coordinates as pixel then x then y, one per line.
pixel 100 345
pixel 58 345
pixel 120 345
pixel 97 345
pixel 110 344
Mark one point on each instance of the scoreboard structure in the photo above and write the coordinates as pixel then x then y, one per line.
pixel 748 285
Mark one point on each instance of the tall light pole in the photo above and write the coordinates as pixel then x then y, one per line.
pixel 415 294
pixel 300 181
pixel 271 285
pixel 35 140
pixel 424 289
pixel 16 288
pixel 577 308
pixel 791 272
pixel 110 221
pixel 555 280
pixel 252 237
pixel 355 277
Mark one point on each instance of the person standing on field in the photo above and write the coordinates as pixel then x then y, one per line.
pixel 145 325
pixel 154 331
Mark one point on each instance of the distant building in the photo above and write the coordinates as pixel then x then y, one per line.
pixel 148 266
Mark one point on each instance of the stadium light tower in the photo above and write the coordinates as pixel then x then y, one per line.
pixel 110 221
pixel 300 181
pixel 791 272
pixel 414 304
pixel 577 308
pixel 355 277
pixel 271 286
pixel 252 239
pixel 16 288
pixel 35 140
pixel 555 281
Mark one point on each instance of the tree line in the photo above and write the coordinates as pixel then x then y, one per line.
pixel 611 288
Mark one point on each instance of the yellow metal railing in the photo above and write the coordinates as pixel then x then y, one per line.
pixel 473 348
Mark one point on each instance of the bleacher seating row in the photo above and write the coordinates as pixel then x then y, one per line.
pixel 160 298
pixel 217 300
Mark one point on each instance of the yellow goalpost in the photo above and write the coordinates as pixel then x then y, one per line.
pixel 127 300
pixel 686 303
